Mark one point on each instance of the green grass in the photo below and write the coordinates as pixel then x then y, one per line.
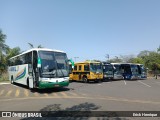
pixel 4 77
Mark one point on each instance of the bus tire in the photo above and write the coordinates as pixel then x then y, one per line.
pixel 70 81
pixel 95 81
pixel 85 80
pixel 28 84
pixel 32 89
pixel 12 82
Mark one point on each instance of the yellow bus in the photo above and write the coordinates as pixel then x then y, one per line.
pixel 87 71
pixel 70 72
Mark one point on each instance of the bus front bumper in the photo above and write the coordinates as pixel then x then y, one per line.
pixel 43 85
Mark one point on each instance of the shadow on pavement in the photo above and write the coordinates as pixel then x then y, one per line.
pixel 81 82
pixel 43 91
pixel 50 90
pixel 83 111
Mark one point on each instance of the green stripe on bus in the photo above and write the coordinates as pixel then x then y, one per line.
pixel 52 84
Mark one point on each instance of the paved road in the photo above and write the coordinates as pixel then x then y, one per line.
pixel 121 95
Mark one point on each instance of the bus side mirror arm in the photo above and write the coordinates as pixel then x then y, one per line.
pixel 30 68
pixel 36 70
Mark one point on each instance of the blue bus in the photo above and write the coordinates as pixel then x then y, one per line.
pixel 108 71
pixel 117 74
pixel 142 71
pixel 130 71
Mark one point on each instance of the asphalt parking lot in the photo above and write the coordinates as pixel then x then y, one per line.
pixel 116 95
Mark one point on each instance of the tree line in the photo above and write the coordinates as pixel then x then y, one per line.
pixel 6 52
pixel 151 59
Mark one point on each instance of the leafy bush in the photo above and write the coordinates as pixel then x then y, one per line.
pixel 4 77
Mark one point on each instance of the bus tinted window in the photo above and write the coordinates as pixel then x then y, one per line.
pixel 28 58
pixel 75 67
pixel 86 67
pixel 80 67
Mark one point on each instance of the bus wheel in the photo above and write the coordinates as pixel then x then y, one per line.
pixel 96 81
pixel 85 80
pixel 12 82
pixel 28 84
pixel 32 89
pixel 70 81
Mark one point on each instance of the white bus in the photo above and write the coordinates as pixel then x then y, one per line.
pixel 40 68
pixel 117 71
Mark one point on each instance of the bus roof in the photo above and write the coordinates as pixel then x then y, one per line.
pixel 37 49
pixel 116 63
pixel 126 63
pixel 87 62
pixel 106 63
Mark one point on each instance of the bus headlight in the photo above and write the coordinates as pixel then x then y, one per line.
pixel 66 79
pixel 92 75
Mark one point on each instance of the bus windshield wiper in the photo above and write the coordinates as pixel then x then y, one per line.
pixel 60 69
pixel 48 73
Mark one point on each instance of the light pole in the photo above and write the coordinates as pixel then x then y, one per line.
pixel 107 56
pixel 116 57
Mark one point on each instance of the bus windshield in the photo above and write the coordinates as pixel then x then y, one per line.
pixel 143 69
pixel 53 64
pixel 117 69
pixel 134 69
pixel 96 67
pixel 108 68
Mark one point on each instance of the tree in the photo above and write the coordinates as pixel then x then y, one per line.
pixel 137 60
pixel 127 58
pixel 12 52
pixel 9 53
pixel 3 48
pixel 115 60
pixel 143 53
pixel 158 49
pixel 152 61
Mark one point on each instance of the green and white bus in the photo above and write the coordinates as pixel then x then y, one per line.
pixel 40 68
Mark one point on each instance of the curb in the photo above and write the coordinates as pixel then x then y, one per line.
pixel 2 83
pixel 153 78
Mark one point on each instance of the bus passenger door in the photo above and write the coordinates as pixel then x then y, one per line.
pixel 35 68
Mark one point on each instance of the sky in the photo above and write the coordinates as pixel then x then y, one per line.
pixel 85 29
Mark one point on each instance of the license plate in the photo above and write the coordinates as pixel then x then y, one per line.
pixel 56 85
pixel 110 76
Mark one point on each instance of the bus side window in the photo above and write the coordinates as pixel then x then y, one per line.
pixel 28 58
pixel 18 61
pixel 35 57
pixel 86 67
pixel 75 67
pixel 70 69
pixel 22 59
pixel 10 62
pixel 80 67
pixel 139 69
pixel 35 60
